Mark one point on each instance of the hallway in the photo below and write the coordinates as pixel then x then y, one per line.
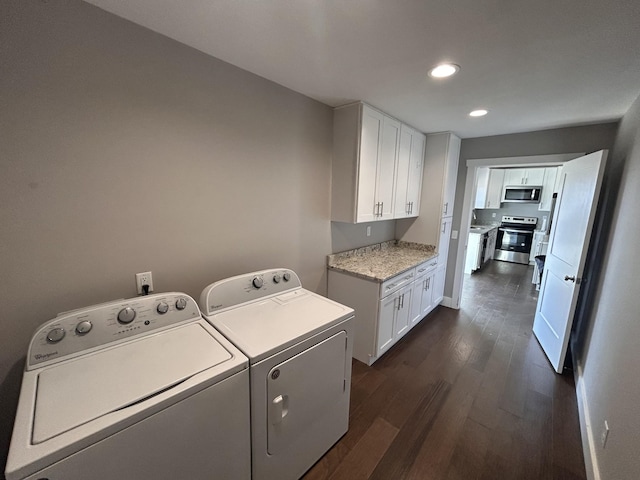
pixel 466 394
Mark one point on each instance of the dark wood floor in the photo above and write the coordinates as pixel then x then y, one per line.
pixel 466 394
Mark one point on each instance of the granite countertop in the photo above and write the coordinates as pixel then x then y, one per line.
pixel 482 229
pixel 381 261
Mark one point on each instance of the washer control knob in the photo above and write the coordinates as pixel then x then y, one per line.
pixel 55 335
pixel 83 327
pixel 181 303
pixel 286 276
pixel 257 282
pixel 162 308
pixel 126 315
pixel 277 278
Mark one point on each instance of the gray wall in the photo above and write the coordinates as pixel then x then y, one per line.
pixel 607 353
pixel 587 138
pixel 493 216
pixel 122 151
pixel 347 236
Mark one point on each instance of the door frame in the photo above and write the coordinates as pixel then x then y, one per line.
pixel 469 198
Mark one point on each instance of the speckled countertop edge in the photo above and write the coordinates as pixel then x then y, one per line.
pixel 381 261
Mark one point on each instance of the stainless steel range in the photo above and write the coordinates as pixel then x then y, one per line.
pixel 514 239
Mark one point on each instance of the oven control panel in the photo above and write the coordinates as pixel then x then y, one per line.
pixel 101 325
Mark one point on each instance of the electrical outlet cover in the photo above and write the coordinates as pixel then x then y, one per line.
pixel 144 278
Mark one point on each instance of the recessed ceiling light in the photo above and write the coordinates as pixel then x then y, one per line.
pixel 444 70
pixel 478 113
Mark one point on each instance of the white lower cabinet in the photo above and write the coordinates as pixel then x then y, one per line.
pixel 422 296
pixel 438 284
pixel 385 312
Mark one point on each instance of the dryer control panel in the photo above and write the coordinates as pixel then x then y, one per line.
pixel 99 326
pixel 248 287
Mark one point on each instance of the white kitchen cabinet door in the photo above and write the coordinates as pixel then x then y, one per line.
pixel 548 185
pixel 472 262
pixel 489 187
pixel 444 239
pixel 386 316
pixel 534 176
pixel 409 173
pixel 385 177
pixel 403 312
pixel 514 176
pixel 494 188
pixel 450 175
pixel 370 146
pixel 438 285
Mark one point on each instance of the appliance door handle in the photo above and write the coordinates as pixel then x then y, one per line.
pixel 515 230
pixel 279 409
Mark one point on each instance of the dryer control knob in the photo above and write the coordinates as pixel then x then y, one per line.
pixel 83 327
pixel 162 308
pixel 181 303
pixel 126 315
pixel 286 276
pixel 257 282
pixel 55 335
pixel 277 278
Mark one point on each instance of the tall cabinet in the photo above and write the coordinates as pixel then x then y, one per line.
pixel 433 226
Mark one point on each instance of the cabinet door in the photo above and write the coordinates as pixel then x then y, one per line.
pixel 388 307
pixel 403 312
pixel 494 188
pixel 450 175
pixel 385 176
pixel 370 143
pixel 416 166
pixel 444 239
pixel 401 204
pixel 416 300
pixel 548 185
pixel 426 304
pixel 514 176
pixel 473 253
pixel 482 186
pixel 438 285
pixel 534 176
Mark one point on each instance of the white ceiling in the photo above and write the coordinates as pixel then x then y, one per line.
pixel 534 64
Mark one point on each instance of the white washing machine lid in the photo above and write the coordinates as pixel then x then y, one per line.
pixel 78 391
pixel 269 325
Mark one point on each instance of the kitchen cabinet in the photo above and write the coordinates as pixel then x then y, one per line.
pixel 438 284
pixel 444 239
pixel 422 296
pixel 366 145
pixel 409 173
pixel 451 152
pixel 523 176
pixel 492 236
pixel 474 253
pixel 548 188
pixel 385 311
pixel 489 187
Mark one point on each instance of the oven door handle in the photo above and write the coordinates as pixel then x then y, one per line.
pixel 514 230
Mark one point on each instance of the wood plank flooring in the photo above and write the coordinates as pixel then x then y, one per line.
pixel 466 394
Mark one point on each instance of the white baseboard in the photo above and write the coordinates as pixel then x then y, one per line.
pixel 448 302
pixel 586 429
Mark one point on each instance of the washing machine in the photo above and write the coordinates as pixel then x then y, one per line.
pixel 132 390
pixel 299 346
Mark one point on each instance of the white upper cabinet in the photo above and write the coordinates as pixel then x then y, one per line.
pixel 409 173
pixel 523 176
pixel 367 163
pixel 489 188
pixel 548 188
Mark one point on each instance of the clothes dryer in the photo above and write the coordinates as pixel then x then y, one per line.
pixel 299 346
pixel 132 389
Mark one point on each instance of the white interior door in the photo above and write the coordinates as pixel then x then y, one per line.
pixel 568 244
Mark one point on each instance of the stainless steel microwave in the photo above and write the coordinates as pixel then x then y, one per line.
pixel 522 194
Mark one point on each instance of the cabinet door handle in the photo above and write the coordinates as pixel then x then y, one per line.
pixel 402 301
pixel 444 227
pixel 420 270
pixel 446 207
